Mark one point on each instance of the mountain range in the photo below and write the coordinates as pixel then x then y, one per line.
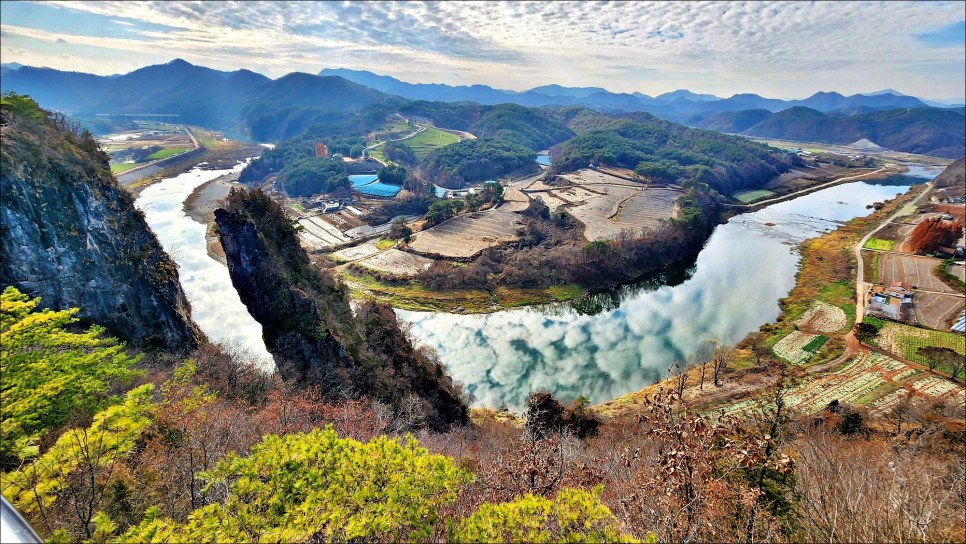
pixel 675 106
pixel 929 131
pixel 247 102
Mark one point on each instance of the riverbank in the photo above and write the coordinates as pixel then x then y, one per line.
pixel 201 205
pixel 881 173
pixel 212 154
pixel 826 273
pixel 415 297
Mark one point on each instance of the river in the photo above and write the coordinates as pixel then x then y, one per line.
pixel 215 305
pixel 616 342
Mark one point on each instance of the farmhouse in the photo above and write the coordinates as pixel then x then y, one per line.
pixel 892 302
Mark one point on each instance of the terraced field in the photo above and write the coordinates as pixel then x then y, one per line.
pixel 649 208
pixel 395 262
pixel 514 201
pixel 355 253
pixel 466 235
pixel 870 379
pixel 606 204
pixel 317 233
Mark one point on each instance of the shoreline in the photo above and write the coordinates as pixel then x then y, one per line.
pixel 479 301
pixel 819 277
pixel 200 207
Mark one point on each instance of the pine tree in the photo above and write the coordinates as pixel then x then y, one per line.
pixel 48 374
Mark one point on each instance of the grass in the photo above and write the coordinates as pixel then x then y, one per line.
pixel 754 195
pixel 385 244
pixel 950 279
pixel 871 270
pixel 414 296
pixel 296 207
pixel 376 153
pixel 430 139
pixel 118 167
pixel 879 244
pixel 167 152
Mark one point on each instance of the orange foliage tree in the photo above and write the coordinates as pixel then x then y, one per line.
pixel 933 233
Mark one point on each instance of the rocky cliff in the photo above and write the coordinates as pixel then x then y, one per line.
pixel 310 329
pixel 69 235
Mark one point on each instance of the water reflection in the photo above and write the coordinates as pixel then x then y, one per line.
pixel 215 305
pixel 609 344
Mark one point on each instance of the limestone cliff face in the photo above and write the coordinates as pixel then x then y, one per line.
pixel 308 325
pixel 69 235
pixel 292 324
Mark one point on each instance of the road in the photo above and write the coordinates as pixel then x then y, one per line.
pixel 860 285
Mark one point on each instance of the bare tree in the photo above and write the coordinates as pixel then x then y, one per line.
pixel 722 357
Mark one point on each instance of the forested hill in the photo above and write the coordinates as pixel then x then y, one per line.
pixel 73 238
pixel 666 151
pixel 309 327
pixel 928 131
pixel 194 95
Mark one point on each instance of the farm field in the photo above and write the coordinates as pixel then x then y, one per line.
pixel 317 233
pixel 754 195
pixel 914 270
pixel 823 317
pixel 167 152
pixel 430 139
pixel 904 340
pixel 798 347
pixel 879 244
pixel 396 262
pixel 122 166
pixel 466 235
pixel 608 205
pixel 361 251
pixel 933 309
pixel 514 201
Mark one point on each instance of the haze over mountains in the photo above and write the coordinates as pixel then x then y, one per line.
pixel 250 103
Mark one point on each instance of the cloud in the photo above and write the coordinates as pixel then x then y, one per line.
pixel 626 346
pixel 782 49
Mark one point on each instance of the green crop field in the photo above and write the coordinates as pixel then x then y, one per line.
pixel 117 168
pixel 430 139
pixel 752 196
pixel 167 152
pixel 879 244
pixel 907 339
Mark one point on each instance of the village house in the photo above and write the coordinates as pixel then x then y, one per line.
pixel 891 302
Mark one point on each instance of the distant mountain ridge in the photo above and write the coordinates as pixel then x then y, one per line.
pixel 197 94
pixel 270 109
pixel 676 106
pixel 928 131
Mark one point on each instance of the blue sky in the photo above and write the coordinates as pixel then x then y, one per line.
pixel 777 49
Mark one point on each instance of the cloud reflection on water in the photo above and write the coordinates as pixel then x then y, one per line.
pixel 745 268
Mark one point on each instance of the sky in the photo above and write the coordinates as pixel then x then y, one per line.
pixel 776 49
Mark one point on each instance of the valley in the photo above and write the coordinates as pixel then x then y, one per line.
pixel 483 272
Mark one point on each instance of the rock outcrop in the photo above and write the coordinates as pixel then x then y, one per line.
pixel 70 236
pixel 310 329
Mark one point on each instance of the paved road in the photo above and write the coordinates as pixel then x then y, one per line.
pixel 861 287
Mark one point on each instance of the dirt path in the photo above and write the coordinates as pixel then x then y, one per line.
pixel 861 287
